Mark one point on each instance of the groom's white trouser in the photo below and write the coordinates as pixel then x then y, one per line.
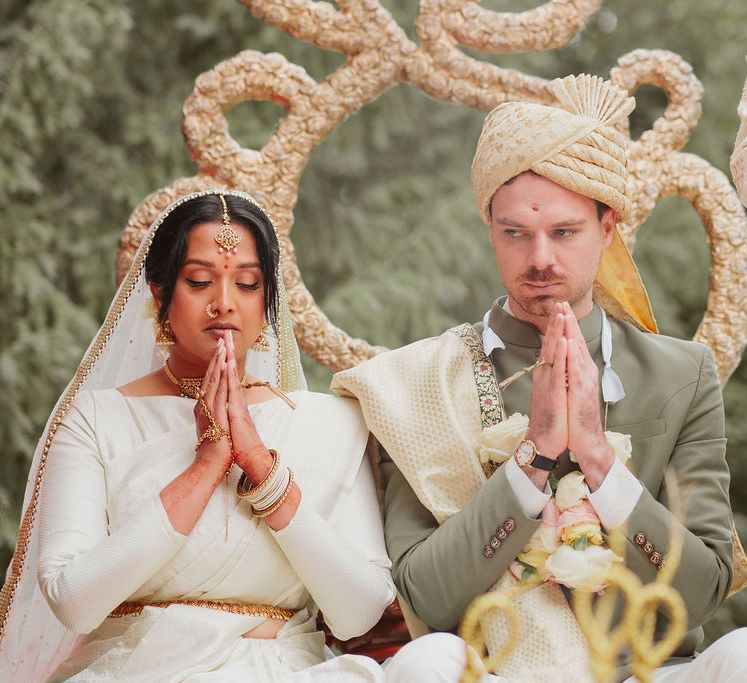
pixel 440 658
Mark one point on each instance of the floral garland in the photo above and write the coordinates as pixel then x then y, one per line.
pixel 569 546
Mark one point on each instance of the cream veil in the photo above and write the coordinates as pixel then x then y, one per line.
pixel 32 641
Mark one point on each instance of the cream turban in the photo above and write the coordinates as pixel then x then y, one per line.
pixel 576 146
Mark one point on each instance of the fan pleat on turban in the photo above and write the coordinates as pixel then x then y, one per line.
pixel 576 146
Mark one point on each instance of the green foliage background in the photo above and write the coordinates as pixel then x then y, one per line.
pixel 386 231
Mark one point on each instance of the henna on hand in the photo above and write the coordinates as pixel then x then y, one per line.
pixel 250 454
pixel 215 453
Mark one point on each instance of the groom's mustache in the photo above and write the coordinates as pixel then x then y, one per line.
pixel 544 275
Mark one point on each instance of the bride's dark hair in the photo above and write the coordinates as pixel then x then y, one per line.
pixel 169 247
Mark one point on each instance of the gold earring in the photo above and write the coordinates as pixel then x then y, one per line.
pixel 164 333
pixel 262 343
pixel 211 312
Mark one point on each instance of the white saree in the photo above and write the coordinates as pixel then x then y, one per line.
pixel 105 538
pixel 94 533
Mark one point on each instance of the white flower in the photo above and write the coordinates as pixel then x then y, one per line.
pixel 546 538
pixel 585 569
pixel 571 490
pixel 620 445
pixel 498 443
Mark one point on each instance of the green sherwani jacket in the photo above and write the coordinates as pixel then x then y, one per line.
pixel 673 412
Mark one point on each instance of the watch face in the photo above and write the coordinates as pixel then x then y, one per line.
pixel 525 453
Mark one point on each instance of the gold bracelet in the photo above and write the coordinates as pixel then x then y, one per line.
pixel 241 493
pixel 214 432
pixel 280 501
pixel 213 435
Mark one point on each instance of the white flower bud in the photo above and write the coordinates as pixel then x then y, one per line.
pixel 585 569
pixel 498 443
pixel 620 445
pixel 571 490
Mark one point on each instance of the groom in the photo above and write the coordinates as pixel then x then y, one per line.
pixel 551 183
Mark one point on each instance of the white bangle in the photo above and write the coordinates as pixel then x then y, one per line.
pixel 254 493
pixel 279 502
pixel 273 492
pixel 271 498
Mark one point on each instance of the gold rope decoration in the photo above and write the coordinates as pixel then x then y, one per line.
pixel 636 628
pixel 471 632
pixel 595 614
pixel 380 55
pixel 642 602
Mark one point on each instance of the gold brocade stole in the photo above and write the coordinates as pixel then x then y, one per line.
pixel 492 409
pixel 544 609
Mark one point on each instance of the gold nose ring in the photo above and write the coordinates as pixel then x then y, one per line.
pixel 210 310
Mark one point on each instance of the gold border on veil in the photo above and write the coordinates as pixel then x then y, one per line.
pixel 288 378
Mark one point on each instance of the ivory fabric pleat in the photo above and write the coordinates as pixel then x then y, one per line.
pixel 103 531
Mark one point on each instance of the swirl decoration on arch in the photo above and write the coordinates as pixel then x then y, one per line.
pixel 379 56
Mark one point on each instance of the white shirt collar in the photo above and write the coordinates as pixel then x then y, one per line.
pixel 490 340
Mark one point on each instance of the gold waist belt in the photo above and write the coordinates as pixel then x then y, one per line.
pixel 127 608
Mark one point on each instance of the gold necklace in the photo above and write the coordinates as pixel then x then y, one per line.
pixel 190 387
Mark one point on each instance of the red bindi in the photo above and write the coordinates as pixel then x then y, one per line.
pixel 225 266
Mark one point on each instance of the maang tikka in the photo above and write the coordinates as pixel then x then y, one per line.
pixel 227 238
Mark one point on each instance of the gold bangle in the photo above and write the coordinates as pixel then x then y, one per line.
pixel 241 493
pixel 280 501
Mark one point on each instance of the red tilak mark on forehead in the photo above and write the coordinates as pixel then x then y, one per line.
pixel 225 266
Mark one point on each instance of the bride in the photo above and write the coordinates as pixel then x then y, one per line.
pixel 191 507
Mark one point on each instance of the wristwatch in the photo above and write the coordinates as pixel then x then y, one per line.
pixel 527 455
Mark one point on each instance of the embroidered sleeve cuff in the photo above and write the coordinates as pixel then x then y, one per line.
pixel 615 499
pixel 532 500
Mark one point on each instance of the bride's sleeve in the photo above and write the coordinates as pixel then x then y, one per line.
pixel 343 565
pixel 85 570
